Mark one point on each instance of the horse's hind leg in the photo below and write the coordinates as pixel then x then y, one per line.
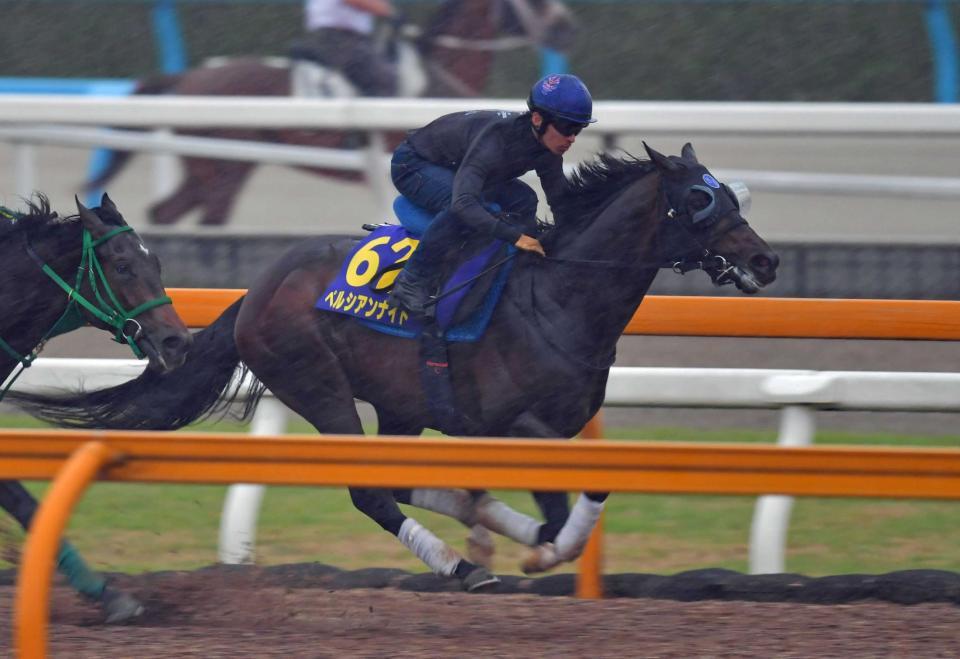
pixel 118 605
pixel 478 510
pixel 188 195
pixel 220 197
pixel 381 506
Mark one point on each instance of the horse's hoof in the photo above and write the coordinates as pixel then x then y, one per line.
pixel 479 579
pixel 480 547
pixel 540 559
pixel 120 607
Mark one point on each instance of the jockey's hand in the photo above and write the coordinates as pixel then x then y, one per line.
pixel 530 244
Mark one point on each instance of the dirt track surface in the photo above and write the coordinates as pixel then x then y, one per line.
pixel 312 610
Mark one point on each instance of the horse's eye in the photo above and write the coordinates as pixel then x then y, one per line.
pixel 697 200
pixel 122 268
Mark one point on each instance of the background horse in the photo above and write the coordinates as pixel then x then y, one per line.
pixel 61 273
pixel 540 370
pixel 457 48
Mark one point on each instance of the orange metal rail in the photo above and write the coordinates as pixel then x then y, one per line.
pixel 469 463
pixel 719 316
pixel 653 467
pixel 797 318
pixel 533 464
pixel 32 604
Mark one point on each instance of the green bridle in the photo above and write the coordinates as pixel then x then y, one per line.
pixel 107 308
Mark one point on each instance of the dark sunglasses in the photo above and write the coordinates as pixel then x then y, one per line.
pixel 568 128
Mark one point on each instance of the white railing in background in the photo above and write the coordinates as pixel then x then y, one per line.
pixel 911 119
pixel 22 119
pixel 797 393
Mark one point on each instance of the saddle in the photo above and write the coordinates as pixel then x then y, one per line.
pixel 472 285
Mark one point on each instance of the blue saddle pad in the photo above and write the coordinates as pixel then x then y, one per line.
pixel 362 286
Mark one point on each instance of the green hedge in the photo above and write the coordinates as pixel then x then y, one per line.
pixel 750 51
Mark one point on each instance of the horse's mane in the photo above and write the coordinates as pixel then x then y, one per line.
pixel 38 219
pixel 593 184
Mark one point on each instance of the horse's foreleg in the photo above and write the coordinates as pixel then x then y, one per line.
pixel 118 606
pixel 380 506
pixel 572 537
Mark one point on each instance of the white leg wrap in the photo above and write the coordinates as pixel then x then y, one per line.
pixel 501 518
pixel 429 548
pixel 452 503
pixel 574 535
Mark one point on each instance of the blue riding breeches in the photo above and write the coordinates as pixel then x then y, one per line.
pixel 430 186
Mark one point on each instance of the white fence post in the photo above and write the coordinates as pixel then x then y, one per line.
pixel 771 516
pixel 26 169
pixel 241 507
pixel 165 169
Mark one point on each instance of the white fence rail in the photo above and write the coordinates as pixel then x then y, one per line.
pixel 615 117
pixel 22 116
pixel 798 393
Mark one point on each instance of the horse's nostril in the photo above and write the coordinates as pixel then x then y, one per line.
pixel 764 262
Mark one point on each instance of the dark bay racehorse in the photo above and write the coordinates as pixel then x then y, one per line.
pixel 61 273
pixel 457 47
pixel 539 371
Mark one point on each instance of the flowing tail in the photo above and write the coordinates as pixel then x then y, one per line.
pixel 155 85
pixel 204 386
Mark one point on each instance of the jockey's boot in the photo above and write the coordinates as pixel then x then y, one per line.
pixel 418 280
pixel 412 291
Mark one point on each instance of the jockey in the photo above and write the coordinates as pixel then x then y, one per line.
pixel 459 163
pixel 339 34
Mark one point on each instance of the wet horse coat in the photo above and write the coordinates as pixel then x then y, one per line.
pixel 539 371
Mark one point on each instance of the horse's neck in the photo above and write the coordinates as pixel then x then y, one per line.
pixel 601 276
pixel 34 302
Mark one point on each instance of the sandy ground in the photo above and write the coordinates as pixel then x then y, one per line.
pixel 246 613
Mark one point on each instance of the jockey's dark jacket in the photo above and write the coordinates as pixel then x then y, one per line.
pixel 488 147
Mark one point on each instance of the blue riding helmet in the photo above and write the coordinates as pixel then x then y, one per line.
pixel 562 96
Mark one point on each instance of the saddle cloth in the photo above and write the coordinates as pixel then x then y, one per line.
pixel 364 281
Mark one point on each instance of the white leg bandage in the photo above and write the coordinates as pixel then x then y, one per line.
pixel 501 518
pixel 574 535
pixel 452 503
pixel 429 548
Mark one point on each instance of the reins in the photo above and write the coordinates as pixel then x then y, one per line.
pixel 108 310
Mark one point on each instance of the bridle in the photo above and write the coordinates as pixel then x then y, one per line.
pixel 106 307
pixel 721 271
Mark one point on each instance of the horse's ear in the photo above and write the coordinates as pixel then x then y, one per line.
pixel 687 153
pixel 106 203
pixel 91 221
pixel 661 160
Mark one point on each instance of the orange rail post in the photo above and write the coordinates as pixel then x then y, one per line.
pixel 40 550
pixel 590 575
